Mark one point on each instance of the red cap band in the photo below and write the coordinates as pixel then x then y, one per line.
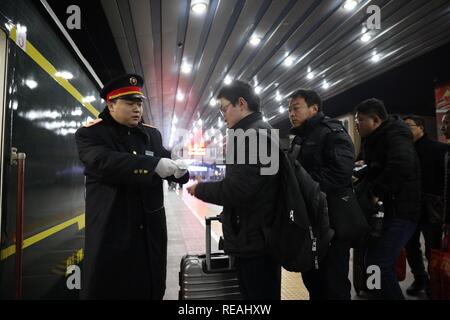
pixel 123 92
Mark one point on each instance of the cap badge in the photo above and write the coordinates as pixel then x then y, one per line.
pixel 133 81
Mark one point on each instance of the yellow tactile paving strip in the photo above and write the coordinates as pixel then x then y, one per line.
pixel 292 287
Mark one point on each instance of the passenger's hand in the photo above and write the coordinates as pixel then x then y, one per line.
pixel 181 168
pixel 166 168
pixel 191 189
pixel 359 163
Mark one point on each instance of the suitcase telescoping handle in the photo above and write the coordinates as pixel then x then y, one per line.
pixel 208 239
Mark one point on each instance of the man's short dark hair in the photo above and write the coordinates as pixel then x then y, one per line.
pixel 241 89
pixel 372 107
pixel 310 96
pixel 419 121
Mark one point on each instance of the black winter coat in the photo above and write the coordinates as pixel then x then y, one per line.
pixel 327 153
pixel 393 168
pixel 125 250
pixel 431 155
pixel 248 199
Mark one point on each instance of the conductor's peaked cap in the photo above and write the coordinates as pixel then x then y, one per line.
pixel 128 86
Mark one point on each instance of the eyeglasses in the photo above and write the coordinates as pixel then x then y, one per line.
pixel 224 108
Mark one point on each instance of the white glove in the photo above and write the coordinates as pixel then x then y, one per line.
pixel 181 168
pixel 166 168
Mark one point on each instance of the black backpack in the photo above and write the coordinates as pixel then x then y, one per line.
pixel 300 234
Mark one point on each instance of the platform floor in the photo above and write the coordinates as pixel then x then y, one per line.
pixel 186 235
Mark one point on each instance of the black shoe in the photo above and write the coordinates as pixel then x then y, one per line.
pixel 416 288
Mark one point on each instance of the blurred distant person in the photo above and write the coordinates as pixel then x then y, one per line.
pixel 431 155
pixel 445 127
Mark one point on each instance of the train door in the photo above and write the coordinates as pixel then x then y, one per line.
pixel 3 44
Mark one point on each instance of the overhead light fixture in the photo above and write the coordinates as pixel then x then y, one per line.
pixel 200 122
pixel 278 96
pixel 175 119
pixel 349 5
pixel 186 68
pixel 325 84
pixel 199 6
pixel 254 40
pixel 212 102
pixel 366 37
pixel 228 80
pixel 64 74
pixel 180 96
pixel 258 89
pixel 375 57
pixel 264 119
pixel 31 84
pixel 289 61
pixel 281 109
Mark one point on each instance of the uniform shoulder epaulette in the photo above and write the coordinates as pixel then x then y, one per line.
pixel 147 125
pixel 93 122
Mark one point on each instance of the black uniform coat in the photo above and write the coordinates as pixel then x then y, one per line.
pixel 126 235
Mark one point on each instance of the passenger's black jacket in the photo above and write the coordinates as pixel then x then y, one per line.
pixel 248 200
pixel 431 156
pixel 125 249
pixel 394 171
pixel 327 153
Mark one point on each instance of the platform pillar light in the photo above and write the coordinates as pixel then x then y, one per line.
pixel 199 6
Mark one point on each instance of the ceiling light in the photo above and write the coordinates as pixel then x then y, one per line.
pixel 180 96
pixel 186 68
pixel 212 102
pixel 258 90
pixel 199 6
pixel 365 37
pixel 278 96
pixel 281 109
pixel 228 80
pixel 175 120
pixel 349 5
pixel 310 76
pixel 254 40
pixel 200 122
pixel 289 61
pixel 375 57
pixel 325 84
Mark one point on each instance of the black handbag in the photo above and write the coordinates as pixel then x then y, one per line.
pixel 347 218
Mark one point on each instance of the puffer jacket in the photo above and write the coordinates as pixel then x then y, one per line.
pixel 394 170
pixel 247 196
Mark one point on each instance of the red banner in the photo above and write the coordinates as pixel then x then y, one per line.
pixel 442 100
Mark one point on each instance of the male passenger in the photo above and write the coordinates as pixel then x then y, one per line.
pixel 431 155
pixel 328 155
pixel 248 199
pixel 394 179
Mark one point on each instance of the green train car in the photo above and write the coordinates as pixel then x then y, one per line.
pixel 45 95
